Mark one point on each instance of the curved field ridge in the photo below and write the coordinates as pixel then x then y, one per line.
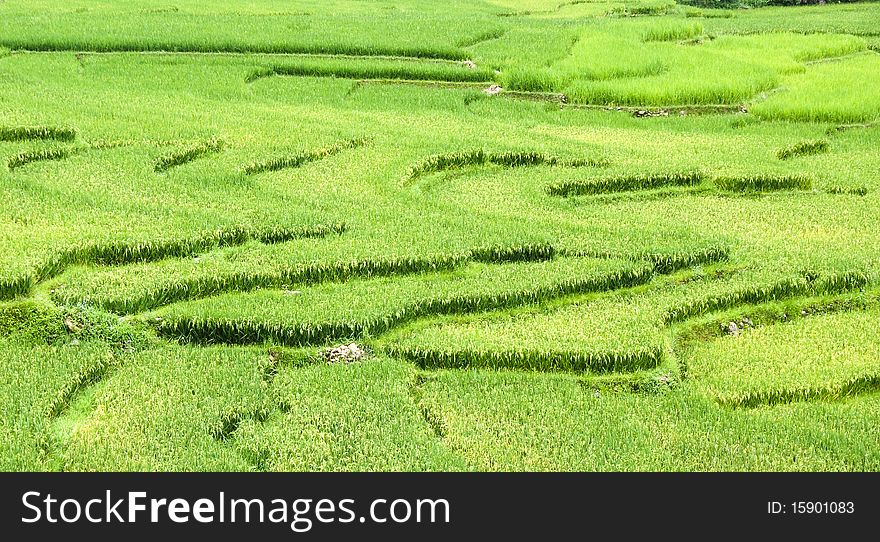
pixel 651 181
pixel 579 338
pixel 803 148
pixel 384 69
pixel 284 162
pixel 373 306
pixel 127 300
pixel 480 157
pixel 26 133
pixel 177 158
pixel 825 357
pixel 128 252
pixel 41 155
pixel 764 183
pixel 629 183
pixel 806 285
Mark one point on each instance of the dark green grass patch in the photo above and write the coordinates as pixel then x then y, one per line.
pixel 40 155
pixel 297 160
pixel 26 133
pixel 354 68
pixel 764 183
pixel 625 183
pixel 340 311
pixel 803 148
pixel 126 252
pixel 480 157
pixel 176 158
pixel 31 320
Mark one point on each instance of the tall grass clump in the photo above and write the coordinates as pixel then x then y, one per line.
pixel 844 91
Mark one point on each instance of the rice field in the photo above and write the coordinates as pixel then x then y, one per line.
pixel 434 235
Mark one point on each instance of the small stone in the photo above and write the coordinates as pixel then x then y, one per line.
pixel 345 353
pixel 71 326
pixel 492 90
pixel 732 328
pixel 470 64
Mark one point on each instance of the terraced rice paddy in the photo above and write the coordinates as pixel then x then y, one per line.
pixel 563 235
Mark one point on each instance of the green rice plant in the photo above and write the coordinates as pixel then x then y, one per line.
pixel 22 159
pixel 840 92
pixel 10 288
pixel 673 31
pixel 163 409
pixel 146 287
pixel 284 162
pixel 604 185
pixel 354 68
pixel 585 337
pixel 822 357
pixel 99 230
pixel 856 19
pixel 345 417
pixel 424 30
pixel 338 311
pixel 173 159
pixel 803 148
pixel 25 133
pixel 764 183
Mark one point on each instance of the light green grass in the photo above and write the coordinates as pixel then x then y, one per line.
pixel 358 417
pixel 370 187
pixel 841 92
pixel 520 421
